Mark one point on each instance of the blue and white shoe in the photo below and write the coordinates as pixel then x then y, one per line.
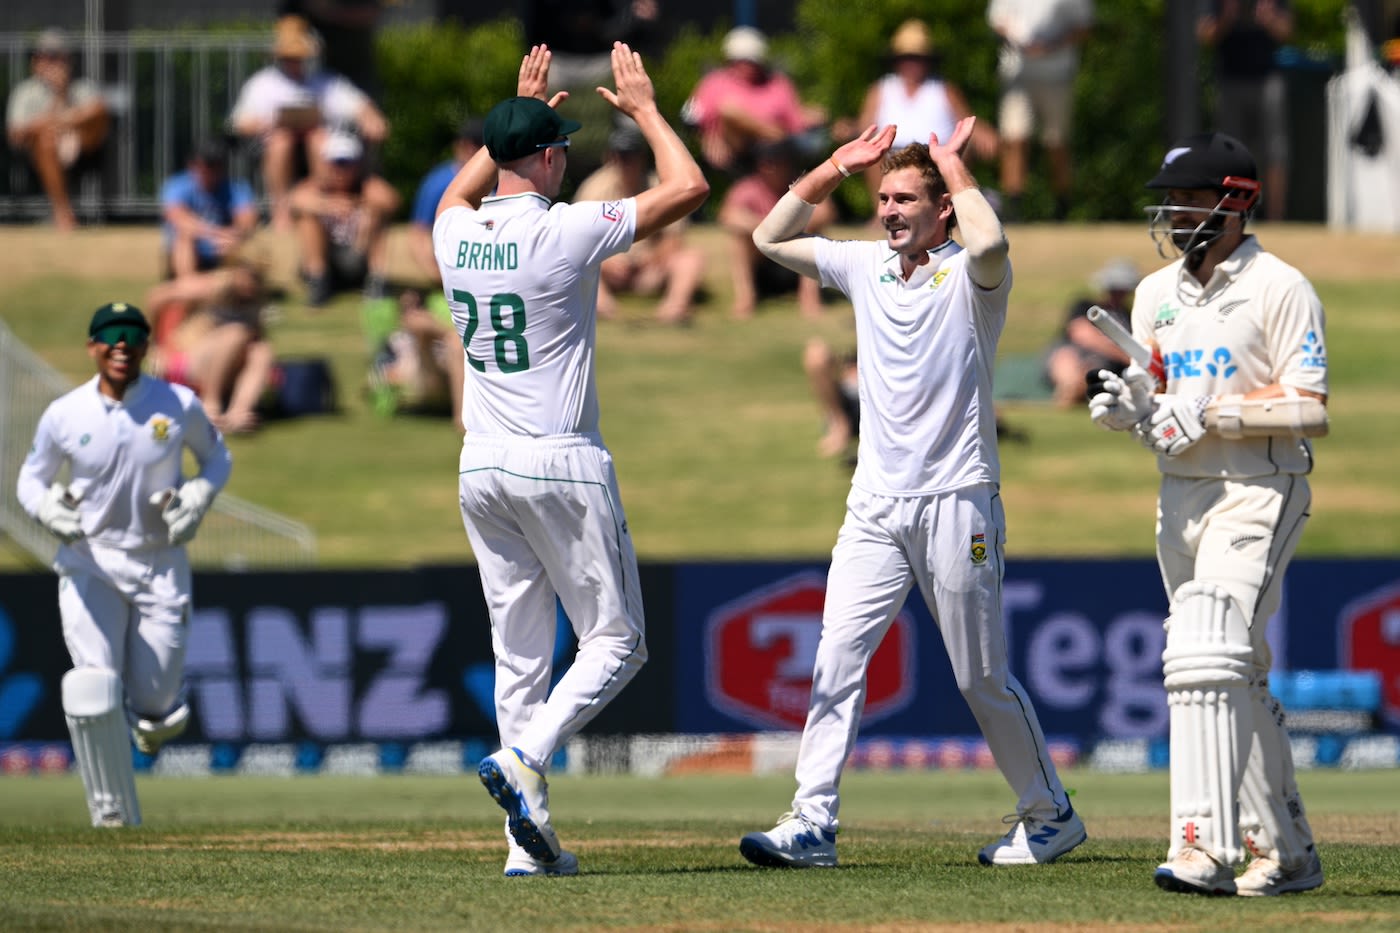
pixel 795 842
pixel 1266 878
pixel 1035 840
pixel 524 794
pixel 519 864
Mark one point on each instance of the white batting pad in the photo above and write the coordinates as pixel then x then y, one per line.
pixel 92 704
pixel 1207 668
pixel 1274 823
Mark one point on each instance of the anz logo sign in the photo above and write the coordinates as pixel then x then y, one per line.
pixel 1185 364
pixel 1314 353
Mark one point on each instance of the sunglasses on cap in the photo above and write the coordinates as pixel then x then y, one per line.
pixel 121 333
pixel 557 144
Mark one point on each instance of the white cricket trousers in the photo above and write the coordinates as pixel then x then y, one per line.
pixel 951 545
pixel 128 611
pixel 545 519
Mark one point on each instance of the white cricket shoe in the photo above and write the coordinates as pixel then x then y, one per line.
pixel 795 842
pixel 1195 871
pixel 519 864
pixel 524 794
pixel 1035 840
pixel 1265 878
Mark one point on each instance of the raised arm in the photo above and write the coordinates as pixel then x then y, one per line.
pixel 780 236
pixel 681 186
pixel 983 236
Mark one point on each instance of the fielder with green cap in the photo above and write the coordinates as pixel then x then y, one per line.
pixel 538 492
pixel 123 520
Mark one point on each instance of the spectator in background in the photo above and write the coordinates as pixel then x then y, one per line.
pixel 663 263
pixel 346 29
pixel 1039 60
pixel 835 384
pixel 56 120
pixel 1082 348
pixel 342 217
pixel 745 204
pixel 1250 97
pixel 287 109
pixel 745 103
pixel 210 335
pixel 421 360
pixel 207 214
pixel 916 99
pixel 430 191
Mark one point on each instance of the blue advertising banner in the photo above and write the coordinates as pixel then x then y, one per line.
pixel 1085 638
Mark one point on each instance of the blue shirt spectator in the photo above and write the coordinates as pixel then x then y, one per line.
pixel 430 191
pixel 207 214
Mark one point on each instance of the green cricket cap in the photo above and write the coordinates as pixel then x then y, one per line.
pixel 521 126
pixel 117 321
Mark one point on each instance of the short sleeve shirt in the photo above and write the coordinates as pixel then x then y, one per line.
pixel 32 98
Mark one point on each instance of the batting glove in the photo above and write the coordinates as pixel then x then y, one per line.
pixel 58 512
pixel 185 510
pixel 1177 422
pixel 1122 401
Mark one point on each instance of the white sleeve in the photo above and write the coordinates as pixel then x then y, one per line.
pixel 594 230
pixel 41 466
pixel 1296 339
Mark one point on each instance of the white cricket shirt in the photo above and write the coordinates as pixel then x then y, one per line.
pixel 521 277
pixel 120 454
pixel 1256 322
pixel 925 353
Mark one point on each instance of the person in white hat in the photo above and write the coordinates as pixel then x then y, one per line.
pixel 1082 348
pixel 291 106
pixel 342 217
pixel 54 119
pixel 744 103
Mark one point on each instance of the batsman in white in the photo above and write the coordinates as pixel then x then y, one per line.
pixel 123 517
pixel 924 506
pixel 538 490
pixel 1243 368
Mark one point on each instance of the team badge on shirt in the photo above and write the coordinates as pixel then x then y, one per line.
pixel 1165 317
pixel 938 278
pixel 160 428
pixel 979 549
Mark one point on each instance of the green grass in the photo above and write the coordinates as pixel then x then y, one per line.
pixel 712 426
pixel 323 853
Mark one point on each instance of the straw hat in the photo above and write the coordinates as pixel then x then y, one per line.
pixel 912 39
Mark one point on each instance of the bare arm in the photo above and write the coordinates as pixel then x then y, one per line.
pixel 681 186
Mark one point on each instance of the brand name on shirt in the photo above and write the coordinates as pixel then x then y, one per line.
pixel 487 256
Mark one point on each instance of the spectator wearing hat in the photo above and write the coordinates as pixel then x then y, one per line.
pixel 746 102
pixel 664 263
pixel 745 204
pixel 56 120
pixel 914 97
pixel 430 192
pixel 286 110
pixel 207 213
pixel 342 217
pixel 1082 347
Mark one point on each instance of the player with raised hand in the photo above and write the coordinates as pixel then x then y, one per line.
pixel 924 507
pixel 537 486
pixel 123 517
pixel 1241 336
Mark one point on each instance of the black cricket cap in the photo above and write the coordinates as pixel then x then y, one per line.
pixel 1205 160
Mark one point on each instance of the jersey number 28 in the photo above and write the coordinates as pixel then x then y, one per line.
pixel 508 321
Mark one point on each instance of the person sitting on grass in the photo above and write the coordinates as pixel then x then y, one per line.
pixel 209 335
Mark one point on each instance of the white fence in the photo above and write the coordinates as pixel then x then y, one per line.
pixel 235 535
pixel 165 92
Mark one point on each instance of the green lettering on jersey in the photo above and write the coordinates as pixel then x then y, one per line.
pixel 487 257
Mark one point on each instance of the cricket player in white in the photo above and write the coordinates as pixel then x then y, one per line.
pixel 539 494
pixel 924 506
pixel 123 517
pixel 1241 385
